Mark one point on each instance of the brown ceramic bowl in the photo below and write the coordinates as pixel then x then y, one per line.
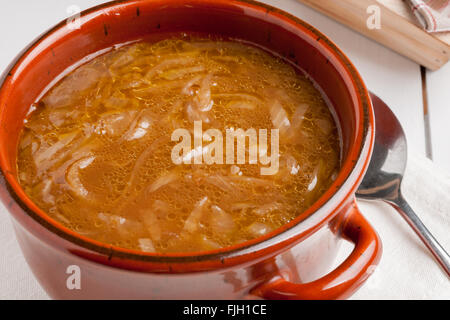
pixel 290 262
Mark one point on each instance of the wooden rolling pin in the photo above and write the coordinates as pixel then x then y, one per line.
pixel 398 28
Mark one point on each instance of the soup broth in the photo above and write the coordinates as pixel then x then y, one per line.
pixel 95 151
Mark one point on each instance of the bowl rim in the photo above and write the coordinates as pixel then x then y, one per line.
pixel 328 204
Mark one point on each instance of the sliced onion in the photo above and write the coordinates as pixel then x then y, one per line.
pixel 238 96
pixel 208 244
pixel 279 117
pixel 187 89
pixel 294 133
pixel 62 218
pixel 141 160
pixel 125 57
pixel 267 208
pixel 45 155
pixel 112 221
pixel 292 165
pixel 182 72
pixel 58 175
pixel 194 114
pixel 193 221
pixel 34 147
pixel 115 124
pixel 258 229
pixel 299 115
pixel 72 152
pixel 146 245
pixel 169 63
pixel 26 140
pixel 313 182
pixel 140 130
pixel 46 195
pixel 162 181
pixel 221 182
pixel 133 119
pixel 73 175
pixel 69 89
pixel 59 117
pixel 221 222
pixel 152 225
pixel 148 92
pixel 203 98
pixel 125 227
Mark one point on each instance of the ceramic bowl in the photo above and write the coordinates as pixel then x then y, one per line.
pixel 291 262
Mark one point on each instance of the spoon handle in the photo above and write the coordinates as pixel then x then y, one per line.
pixel 413 220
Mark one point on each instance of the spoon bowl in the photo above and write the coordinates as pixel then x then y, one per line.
pixel 389 157
pixel 385 173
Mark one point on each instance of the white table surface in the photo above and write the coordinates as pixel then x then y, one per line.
pixel 394 78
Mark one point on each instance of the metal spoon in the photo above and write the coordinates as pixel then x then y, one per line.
pixel 384 176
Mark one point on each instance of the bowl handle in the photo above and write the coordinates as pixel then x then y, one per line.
pixel 342 281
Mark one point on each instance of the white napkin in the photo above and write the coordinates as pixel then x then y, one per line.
pixel 406 269
pixel 433 15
